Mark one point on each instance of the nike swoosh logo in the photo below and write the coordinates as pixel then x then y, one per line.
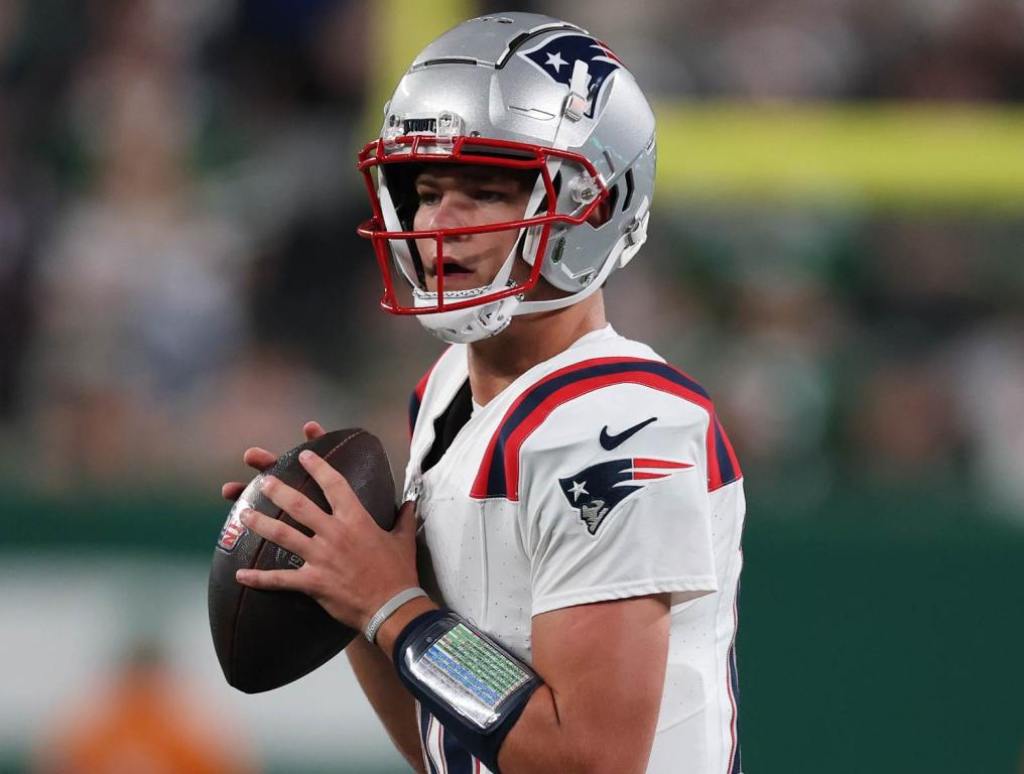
pixel 609 442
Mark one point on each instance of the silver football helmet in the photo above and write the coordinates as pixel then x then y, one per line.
pixel 519 91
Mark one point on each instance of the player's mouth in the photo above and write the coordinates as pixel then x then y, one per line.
pixel 451 269
pixel 456 276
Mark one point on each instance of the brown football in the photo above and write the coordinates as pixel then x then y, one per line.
pixel 265 639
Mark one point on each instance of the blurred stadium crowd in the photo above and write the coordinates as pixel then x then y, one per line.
pixel 180 278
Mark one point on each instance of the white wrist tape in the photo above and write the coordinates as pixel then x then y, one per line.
pixel 388 608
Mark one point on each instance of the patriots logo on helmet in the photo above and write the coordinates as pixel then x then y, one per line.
pixel 557 57
pixel 596 490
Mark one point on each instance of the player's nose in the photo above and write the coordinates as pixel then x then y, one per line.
pixel 450 212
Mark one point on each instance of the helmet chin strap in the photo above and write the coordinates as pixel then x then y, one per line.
pixel 400 254
pixel 532 239
pixel 621 254
pixel 549 305
pixel 475 323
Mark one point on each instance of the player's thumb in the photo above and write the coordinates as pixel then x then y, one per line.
pixel 405 523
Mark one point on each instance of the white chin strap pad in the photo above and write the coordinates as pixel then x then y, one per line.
pixel 463 326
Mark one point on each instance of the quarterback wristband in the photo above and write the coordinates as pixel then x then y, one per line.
pixel 388 609
pixel 469 682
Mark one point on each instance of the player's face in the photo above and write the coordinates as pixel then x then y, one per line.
pixel 454 196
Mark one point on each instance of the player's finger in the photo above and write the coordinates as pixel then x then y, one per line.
pixel 232 490
pixel 313 429
pixel 336 488
pixel 256 457
pixel 271 580
pixel 277 532
pixel 295 504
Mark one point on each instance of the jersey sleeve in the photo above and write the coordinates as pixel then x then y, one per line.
pixel 614 499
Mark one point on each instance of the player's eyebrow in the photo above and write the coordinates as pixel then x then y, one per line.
pixel 477 174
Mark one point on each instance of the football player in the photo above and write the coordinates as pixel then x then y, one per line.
pixel 572 501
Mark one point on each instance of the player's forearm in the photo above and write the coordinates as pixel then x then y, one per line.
pixel 593 720
pixel 549 737
pixel 388 697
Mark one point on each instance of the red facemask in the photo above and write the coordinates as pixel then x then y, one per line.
pixel 395 246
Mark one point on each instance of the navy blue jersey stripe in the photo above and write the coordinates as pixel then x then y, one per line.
pixel 734 680
pixel 456 757
pixel 496 485
pixel 425 718
pixel 725 467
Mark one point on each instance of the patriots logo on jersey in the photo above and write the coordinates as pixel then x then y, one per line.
pixel 557 58
pixel 596 490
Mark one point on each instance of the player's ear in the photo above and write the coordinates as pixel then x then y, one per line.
pixel 601 213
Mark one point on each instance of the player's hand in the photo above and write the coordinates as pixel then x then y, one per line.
pixel 260 459
pixel 351 566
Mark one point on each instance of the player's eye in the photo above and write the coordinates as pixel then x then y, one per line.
pixel 428 197
pixel 489 195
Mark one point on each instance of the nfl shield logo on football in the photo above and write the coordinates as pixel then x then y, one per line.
pixel 233 528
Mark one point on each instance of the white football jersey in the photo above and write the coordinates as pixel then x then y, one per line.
pixel 602 473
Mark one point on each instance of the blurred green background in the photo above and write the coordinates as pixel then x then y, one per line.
pixel 836 253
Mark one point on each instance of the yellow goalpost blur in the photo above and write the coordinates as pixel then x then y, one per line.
pixel 888 154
